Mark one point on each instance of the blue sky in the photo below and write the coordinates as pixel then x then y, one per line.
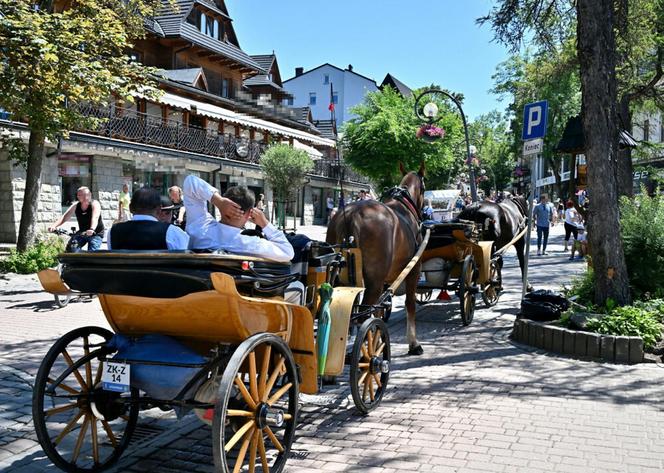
pixel 419 43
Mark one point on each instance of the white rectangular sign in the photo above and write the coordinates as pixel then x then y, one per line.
pixel 533 147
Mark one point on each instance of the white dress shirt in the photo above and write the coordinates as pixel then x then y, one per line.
pixel 176 238
pixel 206 233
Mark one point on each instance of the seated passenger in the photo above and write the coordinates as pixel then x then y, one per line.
pixel 144 231
pixel 236 207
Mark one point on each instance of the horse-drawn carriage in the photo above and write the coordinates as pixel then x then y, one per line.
pixel 208 332
pixel 456 259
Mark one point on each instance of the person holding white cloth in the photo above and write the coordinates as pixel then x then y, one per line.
pixel 236 208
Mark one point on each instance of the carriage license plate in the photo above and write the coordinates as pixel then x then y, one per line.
pixel 115 377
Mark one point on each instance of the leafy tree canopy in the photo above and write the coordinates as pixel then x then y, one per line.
pixel 52 59
pixel 384 134
pixel 285 168
pixel 491 136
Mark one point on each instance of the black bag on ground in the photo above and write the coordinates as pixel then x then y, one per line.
pixel 543 305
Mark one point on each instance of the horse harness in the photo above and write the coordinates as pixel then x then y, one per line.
pixel 401 195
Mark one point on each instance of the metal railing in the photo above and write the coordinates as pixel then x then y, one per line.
pixel 131 125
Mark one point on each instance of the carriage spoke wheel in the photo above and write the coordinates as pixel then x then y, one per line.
pixel 492 289
pixel 81 427
pixel 256 409
pixel 422 296
pixel 467 290
pixel 370 365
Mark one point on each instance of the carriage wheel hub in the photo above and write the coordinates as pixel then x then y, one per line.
pixel 268 416
pixel 378 365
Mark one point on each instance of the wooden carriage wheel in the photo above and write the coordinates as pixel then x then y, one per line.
pixel 256 409
pixel 81 427
pixel 467 290
pixel 494 286
pixel 422 296
pixel 370 365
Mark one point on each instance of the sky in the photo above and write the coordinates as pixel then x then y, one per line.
pixel 418 43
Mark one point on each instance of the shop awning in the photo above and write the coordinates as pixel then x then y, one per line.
pixel 219 113
pixel 310 150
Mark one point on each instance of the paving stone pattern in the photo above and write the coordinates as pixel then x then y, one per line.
pixel 473 402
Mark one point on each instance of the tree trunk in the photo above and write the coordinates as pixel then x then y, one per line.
pixel 26 232
pixel 625 170
pixel 596 50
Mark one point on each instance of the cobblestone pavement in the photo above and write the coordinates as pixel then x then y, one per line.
pixel 473 402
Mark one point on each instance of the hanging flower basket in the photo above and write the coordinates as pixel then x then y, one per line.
pixel 430 133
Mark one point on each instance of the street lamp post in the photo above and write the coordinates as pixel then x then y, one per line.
pixel 429 113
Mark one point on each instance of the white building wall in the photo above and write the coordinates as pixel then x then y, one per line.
pixel 655 124
pixel 350 88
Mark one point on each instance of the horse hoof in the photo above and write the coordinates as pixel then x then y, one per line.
pixel 416 351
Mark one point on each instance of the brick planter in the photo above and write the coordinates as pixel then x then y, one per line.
pixel 578 344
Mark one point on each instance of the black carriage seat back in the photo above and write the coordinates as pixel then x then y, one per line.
pixel 170 274
pixel 442 234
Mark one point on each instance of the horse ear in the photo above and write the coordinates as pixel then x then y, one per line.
pixel 422 171
pixel 402 169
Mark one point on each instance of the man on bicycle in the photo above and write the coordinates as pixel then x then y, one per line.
pixel 88 217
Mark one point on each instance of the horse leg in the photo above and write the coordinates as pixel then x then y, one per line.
pixel 414 347
pixel 520 246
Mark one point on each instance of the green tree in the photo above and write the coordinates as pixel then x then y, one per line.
pixel 51 59
pixel 285 168
pixel 384 134
pixel 550 75
pixel 493 140
pixel 551 23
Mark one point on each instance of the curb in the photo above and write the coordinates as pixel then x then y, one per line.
pixel 578 344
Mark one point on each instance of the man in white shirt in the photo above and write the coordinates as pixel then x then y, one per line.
pixel 236 207
pixel 144 231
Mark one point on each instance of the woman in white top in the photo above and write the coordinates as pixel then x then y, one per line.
pixel 572 218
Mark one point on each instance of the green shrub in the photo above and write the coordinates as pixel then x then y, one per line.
pixel 642 230
pixel 583 287
pixel 43 254
pixel 630 321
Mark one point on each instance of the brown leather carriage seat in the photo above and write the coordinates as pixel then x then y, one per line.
pixel 170 274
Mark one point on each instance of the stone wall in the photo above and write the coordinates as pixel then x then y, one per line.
pixel 12 185
pixel 106 186
pixel 308 215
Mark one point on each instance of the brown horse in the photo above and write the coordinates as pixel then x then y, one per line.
pixel 388 235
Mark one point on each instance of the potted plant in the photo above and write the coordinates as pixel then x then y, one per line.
pixel 430 133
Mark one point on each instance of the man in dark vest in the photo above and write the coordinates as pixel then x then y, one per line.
pixel 144 231
pixel 88 217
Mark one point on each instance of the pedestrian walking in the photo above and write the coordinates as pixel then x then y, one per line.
pixel 543 214
pixel 123 204
pixel 572 218
pixel 329 207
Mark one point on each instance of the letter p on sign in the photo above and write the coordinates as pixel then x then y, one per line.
pixel 534 120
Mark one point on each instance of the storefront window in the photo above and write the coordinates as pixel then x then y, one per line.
pixel 317 200
pixel 74 172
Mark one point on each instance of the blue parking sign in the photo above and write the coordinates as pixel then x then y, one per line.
pixel 534 120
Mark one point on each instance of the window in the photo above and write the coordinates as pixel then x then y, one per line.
pixel 326 79
pixel 290 101
pixel 202 22
pixel 335 98
pixel 215 29
pixel 224 88
pixel 209 26
pixel 135 56
pixel 312 98
pixel 646 130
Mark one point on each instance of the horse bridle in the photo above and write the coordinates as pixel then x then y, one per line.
pixel 401 195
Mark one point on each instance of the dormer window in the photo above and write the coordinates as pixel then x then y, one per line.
pixel 207 24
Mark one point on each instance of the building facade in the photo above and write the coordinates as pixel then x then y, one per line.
pixel 220 108
pixel 326 83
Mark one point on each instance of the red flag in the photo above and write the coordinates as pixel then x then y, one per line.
pixel 331 106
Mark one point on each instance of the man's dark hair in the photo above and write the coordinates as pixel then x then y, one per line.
pixel 145 201
pixel 242 196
